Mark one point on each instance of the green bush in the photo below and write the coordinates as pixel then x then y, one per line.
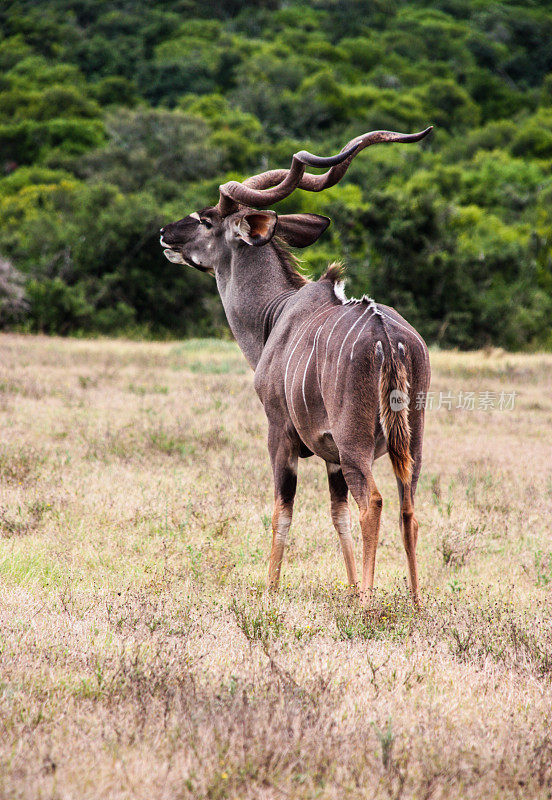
pixel 115 119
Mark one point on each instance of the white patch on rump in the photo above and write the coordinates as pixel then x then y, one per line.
pixel 339 291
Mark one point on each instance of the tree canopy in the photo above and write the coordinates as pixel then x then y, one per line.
pixel 119 115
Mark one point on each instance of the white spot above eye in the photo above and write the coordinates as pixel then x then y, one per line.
pixel 195 215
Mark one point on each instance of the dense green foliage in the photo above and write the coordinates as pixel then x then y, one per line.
pixel 118 115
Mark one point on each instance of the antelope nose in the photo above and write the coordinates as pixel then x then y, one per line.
pixel 161 230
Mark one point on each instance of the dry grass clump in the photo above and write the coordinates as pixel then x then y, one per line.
pixel 539 568
pixel 19 464
pixel 23 520
pixel 141 654
pixel 457 545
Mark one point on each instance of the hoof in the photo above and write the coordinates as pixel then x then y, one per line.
pixel 417 603
pixel 367 599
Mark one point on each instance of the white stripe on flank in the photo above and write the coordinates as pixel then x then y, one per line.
pixel 314 346
pixel 343 343
pixel 396 322
pixel 303 330
pixel 316 336
pixel 328 341
pixel 319 331
pixel 308 321
pixel 296 339
pixel 292 382
pixel 374 311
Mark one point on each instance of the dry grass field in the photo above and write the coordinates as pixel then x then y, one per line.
pixel 140 655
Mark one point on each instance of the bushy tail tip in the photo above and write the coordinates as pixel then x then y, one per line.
pixel 394 402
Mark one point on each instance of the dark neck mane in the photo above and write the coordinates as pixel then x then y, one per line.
pixel 289 264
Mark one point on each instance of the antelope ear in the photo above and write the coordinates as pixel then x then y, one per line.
pixel 257 227
pixel 300 230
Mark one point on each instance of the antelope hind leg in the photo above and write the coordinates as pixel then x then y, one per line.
pixel 341 518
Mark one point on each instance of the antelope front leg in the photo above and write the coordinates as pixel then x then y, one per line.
pixel 284 456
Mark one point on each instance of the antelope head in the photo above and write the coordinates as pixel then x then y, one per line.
pixel 206 239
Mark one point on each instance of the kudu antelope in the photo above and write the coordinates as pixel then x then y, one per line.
pixel 337 377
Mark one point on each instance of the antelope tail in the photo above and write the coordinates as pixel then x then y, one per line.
pixel 394 402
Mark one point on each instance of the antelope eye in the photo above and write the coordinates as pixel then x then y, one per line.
pixel 206 222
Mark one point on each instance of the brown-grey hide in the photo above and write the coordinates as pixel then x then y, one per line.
pixel 337 377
